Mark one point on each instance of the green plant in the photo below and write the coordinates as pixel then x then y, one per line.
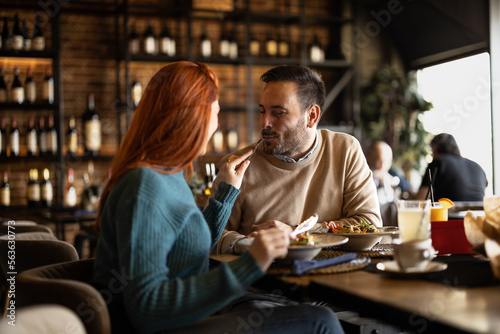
pixel 391 110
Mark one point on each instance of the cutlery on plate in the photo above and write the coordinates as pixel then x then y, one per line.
pixel 305 226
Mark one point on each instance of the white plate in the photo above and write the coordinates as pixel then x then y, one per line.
pixel 393 268
pixel 365 241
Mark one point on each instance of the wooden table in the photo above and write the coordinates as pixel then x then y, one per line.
pixel 417 305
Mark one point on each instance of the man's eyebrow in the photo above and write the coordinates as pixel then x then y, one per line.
pixel 279 107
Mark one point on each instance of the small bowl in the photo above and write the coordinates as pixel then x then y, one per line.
pixel 365 241
pixel 307 252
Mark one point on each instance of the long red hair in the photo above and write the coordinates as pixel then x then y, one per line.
pixel 170 124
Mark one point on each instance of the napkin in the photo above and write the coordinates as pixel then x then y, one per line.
pixel 301 266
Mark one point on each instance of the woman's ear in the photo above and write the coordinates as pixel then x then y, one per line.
pixel 313 114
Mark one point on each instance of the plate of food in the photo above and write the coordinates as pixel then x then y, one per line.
pixel 362 236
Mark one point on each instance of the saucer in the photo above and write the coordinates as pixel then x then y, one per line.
pixel 393 268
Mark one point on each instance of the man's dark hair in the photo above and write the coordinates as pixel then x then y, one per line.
pixel 445 143
pixel 311 88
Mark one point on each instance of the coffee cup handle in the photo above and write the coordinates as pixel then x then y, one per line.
pixel 427 254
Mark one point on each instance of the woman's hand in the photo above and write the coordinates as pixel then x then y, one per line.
pixel 269 244
pixel 233 170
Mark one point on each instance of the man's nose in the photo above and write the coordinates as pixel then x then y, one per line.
pixel 265 120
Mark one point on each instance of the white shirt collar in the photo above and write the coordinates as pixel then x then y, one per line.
pixel 308 154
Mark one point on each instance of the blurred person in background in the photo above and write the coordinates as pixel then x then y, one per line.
pixel 391 184
pixel 454 176
pixel 155 238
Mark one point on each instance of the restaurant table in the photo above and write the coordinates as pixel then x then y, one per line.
pixel 62 218
pixel 430 304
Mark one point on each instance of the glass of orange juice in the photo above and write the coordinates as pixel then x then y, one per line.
pixel 438 213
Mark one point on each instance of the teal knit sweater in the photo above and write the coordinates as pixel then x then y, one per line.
pixel 154 251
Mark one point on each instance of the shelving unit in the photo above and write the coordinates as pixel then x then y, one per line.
pixel 187 20
pixel 50 56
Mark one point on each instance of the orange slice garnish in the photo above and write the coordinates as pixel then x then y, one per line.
pixel 446 202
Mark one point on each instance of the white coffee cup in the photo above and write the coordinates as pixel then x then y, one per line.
pixel 413 255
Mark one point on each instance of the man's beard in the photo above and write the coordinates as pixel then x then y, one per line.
pixel 289 143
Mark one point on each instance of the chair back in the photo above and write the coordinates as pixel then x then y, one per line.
pixel 23 227
pixel 66 284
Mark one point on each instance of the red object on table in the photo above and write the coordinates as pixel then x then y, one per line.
pixel 448 237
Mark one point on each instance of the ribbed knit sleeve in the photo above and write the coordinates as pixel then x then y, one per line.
pixel 218 210
pixel 154 251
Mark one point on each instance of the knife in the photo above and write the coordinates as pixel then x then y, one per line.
pixel 306 225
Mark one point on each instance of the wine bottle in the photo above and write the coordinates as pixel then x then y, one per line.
pixel 48 86
pixel 17 90
pixel 42 137
pixel 283 47
pixel 33 188
pixel 51 136
pixel 224 44
pixel 70 192
pixel 38 41
pixel 133 41
pixel 232 138
pixel 254 46
pixel 3 88
pixel 26 37
pixel 5 35
pixel 30 87
pixel 167 42
pixel 3 138
pixel 149 41
pixel 92 128
pixel 17 39
pixel 205 44
pixel 14 139
pixel 233 45
pixel 136 90
pixel 47 192
pixel 5 191
pixel 315 51
pixel 271 46
pixel 31 138
pixel 72 137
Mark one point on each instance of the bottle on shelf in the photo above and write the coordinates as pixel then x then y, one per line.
pixel 17 89
pixel 205 44
pixel 218 141
pixel 17 39
pixel 72 137
pixel 31 138
pixel 38 40
pixel 232 138
pixel 14 138
pixel 33 188
pixel 70 191
pixel 5 191
pixel 149 41
pixel 254 46
pixel 283 46
pixel 3 88
pixel 42 137
pixel 26 36
pixel 233 44
pixel 136 92
pixel 51 136
pixel 133 41
pixel 3 138
pixel 47 192
pixel 30 87
pixel 224 44
pixel 167 42
pixel 48 86
pixel 271 46
pixel 316 53
pixel 91 128
pixel 5 35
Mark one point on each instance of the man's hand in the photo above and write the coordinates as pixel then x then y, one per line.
pixel 272 224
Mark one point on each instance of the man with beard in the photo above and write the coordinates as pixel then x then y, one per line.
pixel 297 170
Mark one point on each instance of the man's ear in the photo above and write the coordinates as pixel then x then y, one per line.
pixel 313 114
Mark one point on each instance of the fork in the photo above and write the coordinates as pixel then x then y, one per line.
pixel 253 152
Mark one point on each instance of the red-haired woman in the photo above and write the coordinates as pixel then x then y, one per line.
pixel 152 260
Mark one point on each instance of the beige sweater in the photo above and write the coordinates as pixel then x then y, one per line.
pixel 335 182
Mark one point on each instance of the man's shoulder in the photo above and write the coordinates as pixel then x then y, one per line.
pixel 338 139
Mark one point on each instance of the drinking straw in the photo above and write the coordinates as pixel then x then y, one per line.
pixel 430 190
